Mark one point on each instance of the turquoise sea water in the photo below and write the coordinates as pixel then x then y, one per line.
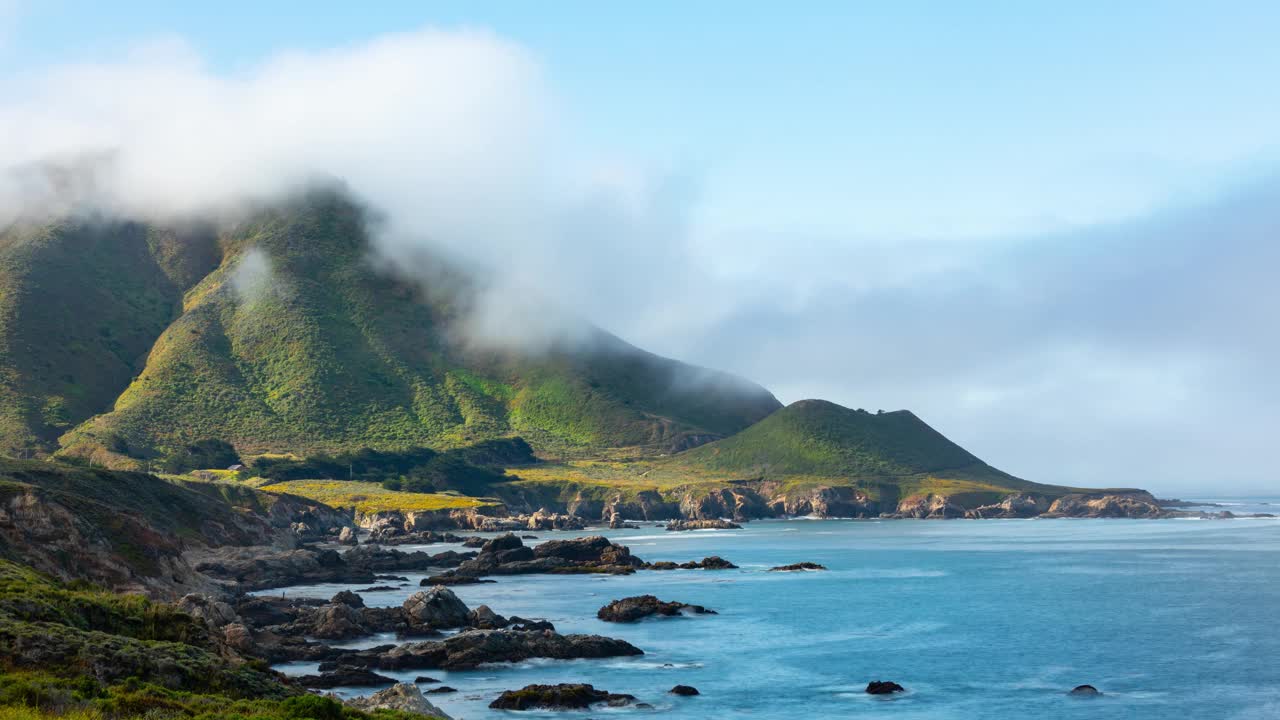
pixel 978 619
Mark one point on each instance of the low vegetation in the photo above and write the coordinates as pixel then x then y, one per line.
pixel 367 497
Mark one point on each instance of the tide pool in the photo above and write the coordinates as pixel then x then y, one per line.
pixel 977 619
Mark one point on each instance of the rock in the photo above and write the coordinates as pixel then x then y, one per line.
pixel 544 520
pixel 715 524
pixel 928 507
pixel 565 696
pixel 798 566
pixel 715 562
pixel 345 677
pixel 435 608
pixel 686 690
pixel 641 606
pixel 485 618
pixel 448 579
pixel 474 541
pixel 471 648
pixel 376 588
pixel 424 680
pixel 502 542
pixel 346 597
pixel 348 537
pixel 401 696
pixel 443 689
pixel 876 687
pixel 238 637
pixel 1084 691
pixel 338 622
pixel 215 613
pixel 1020 505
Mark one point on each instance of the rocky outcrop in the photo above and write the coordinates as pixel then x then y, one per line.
pixel 642 606
pixel 392 535
pixel 713 524
pixel 344 677
pixel 1120 504
pixel 928 507
pixel 404 697
pixel 797 567
pixel 247 569
pixel 1020 505
pixel 684 690
pixel 878 687
pixel 564 696
pixel 471 648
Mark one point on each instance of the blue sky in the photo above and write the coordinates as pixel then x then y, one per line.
pixel 1046 227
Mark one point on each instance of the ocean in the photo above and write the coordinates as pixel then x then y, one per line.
pixel 977 619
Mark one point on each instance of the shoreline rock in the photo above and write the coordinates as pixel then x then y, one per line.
pixel 714 524
pixel 794 567
pixel 881 687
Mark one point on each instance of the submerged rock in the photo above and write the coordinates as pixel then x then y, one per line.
pixel 686 690
pixel 798 566
pixel 1084 691
pixel 878 687
pixel 641 606
pixel 565 696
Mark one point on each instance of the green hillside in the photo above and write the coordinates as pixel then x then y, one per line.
pixel 816 438
pixel 125 343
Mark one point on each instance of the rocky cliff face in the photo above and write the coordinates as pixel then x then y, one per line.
pixel 1119 504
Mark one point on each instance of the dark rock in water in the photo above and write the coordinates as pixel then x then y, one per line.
pixel 686 690
pixel 529 537
pixel 397 578
pixel 715 562
pixel 717 524
pixel 877 687
pixel 485 618
pixel 519 623
pixel 441 690
pixel 425 680
pixel 565 696
pixel 507 555
pixel 346 597
pixel 453 580
pixel 798 566
pixel 641 606
pixel 375 588
pixel 474 542
pixel 344 677
pixel 1084 691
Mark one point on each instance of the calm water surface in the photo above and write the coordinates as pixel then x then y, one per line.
pixel 978 619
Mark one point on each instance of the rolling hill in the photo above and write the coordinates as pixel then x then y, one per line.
pixel 122 342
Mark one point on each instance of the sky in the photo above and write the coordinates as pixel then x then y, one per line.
pixel 1049 229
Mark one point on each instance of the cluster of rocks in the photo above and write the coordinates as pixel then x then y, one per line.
pixel 712 524
pixel 565 696
pixel 404 697
pixel 642 606
pixel 508 555
pixel 392 535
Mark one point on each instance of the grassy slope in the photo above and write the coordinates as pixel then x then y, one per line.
pixel 325 354
pixel 369 497
pixel 807 444
pixel 81 302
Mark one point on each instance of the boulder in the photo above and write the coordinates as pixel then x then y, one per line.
pixel 347 536
pixel 435 608
pixel 338 621
pixel 565 696
pixel 502 542
pixel 877 687
pixel 686 690
pixel 641 606
pixel 442 690
pixel 215 613
pixel 1084 691
pixel 401 696
pixel 485 618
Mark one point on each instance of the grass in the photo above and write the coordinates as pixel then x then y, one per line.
pixel 367 497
